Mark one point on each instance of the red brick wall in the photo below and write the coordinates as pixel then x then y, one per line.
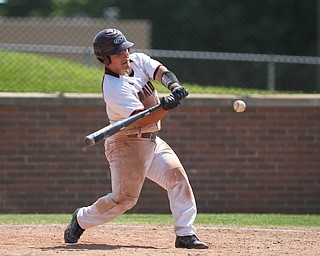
pixel 263 160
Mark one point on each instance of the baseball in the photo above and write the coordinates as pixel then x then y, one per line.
pixel 239 106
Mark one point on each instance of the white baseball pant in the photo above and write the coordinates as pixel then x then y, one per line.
pixel 131 161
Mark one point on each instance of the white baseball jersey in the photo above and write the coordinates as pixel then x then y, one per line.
pixel 124 95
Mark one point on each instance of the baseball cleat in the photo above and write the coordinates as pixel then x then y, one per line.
pixel 73 230
pixel 190 242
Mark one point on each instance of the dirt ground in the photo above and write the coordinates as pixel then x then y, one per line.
pixel 150 240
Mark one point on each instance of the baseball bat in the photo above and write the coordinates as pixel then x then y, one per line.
pixel 112 129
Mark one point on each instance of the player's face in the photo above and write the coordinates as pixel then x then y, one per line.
pixel 120 63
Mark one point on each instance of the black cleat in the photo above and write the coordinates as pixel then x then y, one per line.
pixel 190 242
pixel 73 230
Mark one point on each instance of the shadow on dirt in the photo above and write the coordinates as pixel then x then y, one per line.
pixel 92 247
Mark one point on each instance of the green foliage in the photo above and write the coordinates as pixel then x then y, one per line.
pixel 18 8
pixel 80 8
pixel 249 26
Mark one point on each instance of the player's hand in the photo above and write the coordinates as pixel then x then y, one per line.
pixel 178 91
pixel 169 102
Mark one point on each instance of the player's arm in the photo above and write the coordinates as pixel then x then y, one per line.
pixel 167 103
pixel 152 118
pixel 170 81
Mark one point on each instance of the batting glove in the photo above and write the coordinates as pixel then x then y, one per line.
pixel 169 102
pixel 178 91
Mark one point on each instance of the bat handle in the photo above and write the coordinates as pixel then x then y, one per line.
pixel 93 138
pixel 109 130
pixel 89 140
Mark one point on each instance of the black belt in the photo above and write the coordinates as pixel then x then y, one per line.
pixel 147 135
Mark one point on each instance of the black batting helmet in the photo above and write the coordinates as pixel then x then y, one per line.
pixel 109 42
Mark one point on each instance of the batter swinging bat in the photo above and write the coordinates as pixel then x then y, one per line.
pixel 111 129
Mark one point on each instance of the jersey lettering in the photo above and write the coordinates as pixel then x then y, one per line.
pixel 146 91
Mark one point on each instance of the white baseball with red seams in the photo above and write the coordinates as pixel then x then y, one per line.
pixel 239 106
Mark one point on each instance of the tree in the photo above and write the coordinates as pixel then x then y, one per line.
pixel 274 26
pixel 24 8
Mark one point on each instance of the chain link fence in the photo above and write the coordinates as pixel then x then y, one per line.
pixel 231 48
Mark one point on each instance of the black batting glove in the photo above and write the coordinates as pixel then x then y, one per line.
pixel 178 91
pixel 169 102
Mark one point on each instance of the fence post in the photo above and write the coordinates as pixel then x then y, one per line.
pixel 318 46
pixel 271 70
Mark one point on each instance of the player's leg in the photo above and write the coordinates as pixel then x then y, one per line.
pixel 129 162
pixel 167 171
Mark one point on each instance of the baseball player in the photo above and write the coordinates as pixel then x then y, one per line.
pixel 136 152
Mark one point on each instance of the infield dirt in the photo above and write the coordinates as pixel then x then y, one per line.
pixel 150 240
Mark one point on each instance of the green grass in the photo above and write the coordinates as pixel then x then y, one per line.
pixel 257 220
pixel 27 72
